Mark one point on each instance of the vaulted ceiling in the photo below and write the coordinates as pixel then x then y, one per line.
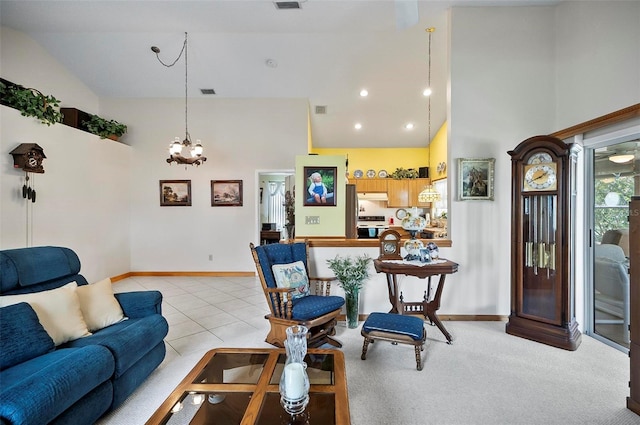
pixel 326 51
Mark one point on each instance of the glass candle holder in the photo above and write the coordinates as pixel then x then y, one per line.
pixel 294 382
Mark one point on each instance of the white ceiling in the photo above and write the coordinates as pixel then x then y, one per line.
pixel 326 52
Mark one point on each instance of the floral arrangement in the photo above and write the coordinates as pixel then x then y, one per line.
pixel 350 272
pixel 290 207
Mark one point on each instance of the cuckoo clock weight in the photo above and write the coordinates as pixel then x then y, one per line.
pixel 542 247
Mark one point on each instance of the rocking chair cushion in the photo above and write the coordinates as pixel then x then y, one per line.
pixel 293 275
pixel 313 306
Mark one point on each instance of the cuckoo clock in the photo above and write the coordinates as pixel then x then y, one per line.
pixel 28 156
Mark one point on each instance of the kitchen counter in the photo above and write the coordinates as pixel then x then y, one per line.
pixel 315 242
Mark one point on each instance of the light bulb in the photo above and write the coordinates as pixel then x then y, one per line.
pixel 358 126
pixel 427 92
pixel 364 93
pixel 409 126
pixel 175 147
pixel 198 149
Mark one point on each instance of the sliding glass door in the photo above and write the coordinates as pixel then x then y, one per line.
pixel 615 178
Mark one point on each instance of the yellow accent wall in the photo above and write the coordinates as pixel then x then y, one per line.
pixel 438 153
pixel 380 158
pixel 391 158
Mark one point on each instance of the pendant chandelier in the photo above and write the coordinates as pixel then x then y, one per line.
pixel 176 148
pixel 429 194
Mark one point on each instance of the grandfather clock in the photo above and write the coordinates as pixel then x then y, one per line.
pixel 542 242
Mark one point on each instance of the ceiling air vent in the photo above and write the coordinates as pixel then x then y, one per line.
pixel 207 91
pixel 287 5
pixel 321 109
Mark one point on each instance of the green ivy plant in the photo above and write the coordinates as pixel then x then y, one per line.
pixel 351 272
pixel 104 128
pixel 31 103
pixel 402 173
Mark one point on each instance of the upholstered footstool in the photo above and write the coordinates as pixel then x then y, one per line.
pixel 396 328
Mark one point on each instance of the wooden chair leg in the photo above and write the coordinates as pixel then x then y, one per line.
pixel 365 346
pixel 418 358
pixel 334 342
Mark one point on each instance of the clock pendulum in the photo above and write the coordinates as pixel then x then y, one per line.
pixel 28 192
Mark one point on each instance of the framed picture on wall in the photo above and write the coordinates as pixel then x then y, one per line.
pixel 175 193
pixel 226 193
pixel 320 186
pixel 475 179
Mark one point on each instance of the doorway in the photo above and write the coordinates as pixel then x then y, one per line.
pixel 272 218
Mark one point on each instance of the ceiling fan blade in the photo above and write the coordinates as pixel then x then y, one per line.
pixel 406 14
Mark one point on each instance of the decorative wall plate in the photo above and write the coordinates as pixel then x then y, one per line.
pixel 358 174
pixel 382 174
pixel 371 173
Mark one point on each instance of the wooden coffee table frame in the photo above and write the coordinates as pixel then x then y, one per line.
pixel 261 389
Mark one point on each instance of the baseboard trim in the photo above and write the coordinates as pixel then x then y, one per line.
pixel 448 317
pixel 195 274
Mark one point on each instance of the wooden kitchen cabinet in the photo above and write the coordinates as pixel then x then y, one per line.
pixel 366 185
pixel 398 193
pixel 415 187
pixel 404 193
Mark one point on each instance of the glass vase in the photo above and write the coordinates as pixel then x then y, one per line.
pixel 351 299
pixel 294 382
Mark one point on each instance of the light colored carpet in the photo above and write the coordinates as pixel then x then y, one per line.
pixel 485 377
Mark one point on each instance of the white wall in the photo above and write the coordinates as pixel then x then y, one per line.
pixel 502 92
pixel 82 198
pixel 598 59
pixel 239 137
pixel 516 73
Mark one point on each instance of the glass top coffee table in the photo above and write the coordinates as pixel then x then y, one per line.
pixel 240 386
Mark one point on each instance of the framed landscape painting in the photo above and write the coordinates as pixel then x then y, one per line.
pixel 475 179
pixel 226 193
pixel 175 193
pixel 320 186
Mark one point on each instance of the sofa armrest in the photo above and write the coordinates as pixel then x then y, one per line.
pixel 140 303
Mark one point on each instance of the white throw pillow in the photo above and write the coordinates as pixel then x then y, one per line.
pixel 98 304
pixel 58 311
pixel 293 275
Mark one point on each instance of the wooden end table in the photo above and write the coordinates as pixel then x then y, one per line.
pixel 241 386
pixel 428 306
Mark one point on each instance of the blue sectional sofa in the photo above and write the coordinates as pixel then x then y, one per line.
pixel 79 380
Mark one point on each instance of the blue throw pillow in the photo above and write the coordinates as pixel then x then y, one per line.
pixel 22 337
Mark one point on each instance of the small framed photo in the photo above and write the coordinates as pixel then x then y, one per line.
pixel 475 179
pixel 320 186
pixel 175 193
pixel 226 193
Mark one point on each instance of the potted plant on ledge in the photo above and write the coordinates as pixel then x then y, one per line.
pixel 106 129
pixel 352 273
pixel 30 102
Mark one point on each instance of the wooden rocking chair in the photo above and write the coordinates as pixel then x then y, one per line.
pixel 318 312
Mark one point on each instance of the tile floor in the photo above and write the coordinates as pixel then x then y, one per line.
pixel 207 312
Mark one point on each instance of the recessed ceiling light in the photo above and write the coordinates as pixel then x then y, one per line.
pixel 357 126
pixel 409 126
pixel 427 92
pixel 364 93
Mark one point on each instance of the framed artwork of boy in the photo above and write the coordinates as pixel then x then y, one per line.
pixel 320 186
